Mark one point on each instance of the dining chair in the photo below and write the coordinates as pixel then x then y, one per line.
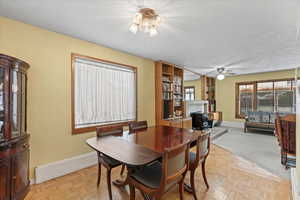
pixel 197 158
pixel 286 134
pixel 278 130
pixel 156 179
pixel 137 125
pixel 108 162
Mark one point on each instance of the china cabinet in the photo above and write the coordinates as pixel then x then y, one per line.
pixel 14 140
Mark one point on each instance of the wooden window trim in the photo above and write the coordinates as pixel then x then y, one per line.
pixel 237 98
pixel 254 83
pixel 93 128
pixel 190 87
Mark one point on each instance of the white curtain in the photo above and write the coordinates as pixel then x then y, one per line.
pixel 104 93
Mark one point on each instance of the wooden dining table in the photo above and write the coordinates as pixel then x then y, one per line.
pixel 142 147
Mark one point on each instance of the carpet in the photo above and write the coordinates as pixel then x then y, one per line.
pixel 259 147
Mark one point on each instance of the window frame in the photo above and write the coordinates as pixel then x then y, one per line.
pixel 254 103
pixel 93 127
pixel 189 87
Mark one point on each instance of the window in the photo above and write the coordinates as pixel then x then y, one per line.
pixel 265 96
pixel 269 96
pixel 246 96
pixel 189 93
pixel 103 93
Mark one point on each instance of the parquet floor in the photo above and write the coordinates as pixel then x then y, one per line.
pixel 230 178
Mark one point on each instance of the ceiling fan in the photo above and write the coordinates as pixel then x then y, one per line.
pixel 222 72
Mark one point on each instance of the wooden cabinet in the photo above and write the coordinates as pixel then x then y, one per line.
pixel 176 123
pixel 187 123
pixel 20 175
pixel 14 140
pixel 5 179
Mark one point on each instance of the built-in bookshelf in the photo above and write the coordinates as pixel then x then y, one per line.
pixel 208 92
pixel 168 92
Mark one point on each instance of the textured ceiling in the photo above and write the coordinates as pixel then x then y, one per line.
pixel 247 36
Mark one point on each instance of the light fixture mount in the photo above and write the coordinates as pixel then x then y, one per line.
pixel 148 12
pixel 146 20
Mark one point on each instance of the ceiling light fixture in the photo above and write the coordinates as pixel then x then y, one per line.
pixel 145 20
pixel 220 77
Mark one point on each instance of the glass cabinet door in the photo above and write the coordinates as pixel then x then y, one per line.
pixel 18 102
pixel 2 104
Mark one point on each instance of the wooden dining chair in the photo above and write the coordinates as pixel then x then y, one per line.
pixel 278 130
pixel 136 126
pixel 286 134
pixel 156 179
pixel 108 162
pixel 202 151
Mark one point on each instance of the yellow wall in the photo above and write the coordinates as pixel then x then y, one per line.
pixel 225 90
pixel 49 86
pixel 197 85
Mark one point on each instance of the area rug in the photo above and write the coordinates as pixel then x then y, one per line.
pixel 261 148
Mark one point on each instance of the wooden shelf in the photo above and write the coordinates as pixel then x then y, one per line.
pixel 166 81
pixel 208 92
pixel 168 76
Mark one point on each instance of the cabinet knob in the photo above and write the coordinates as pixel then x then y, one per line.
pixel 14 177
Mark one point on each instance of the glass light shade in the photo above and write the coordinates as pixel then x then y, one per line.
pixel 220 77
pixel 153 32
pixel 137 19
pixel 157 20
pixel 146 21
pixel 138 16
pixel 133 28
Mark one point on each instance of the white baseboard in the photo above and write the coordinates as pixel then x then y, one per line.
pixel 295 185
pixel 233 124
pixel 63 167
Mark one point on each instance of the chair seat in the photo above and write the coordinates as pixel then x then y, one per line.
pixel 110 161
pixel 149 175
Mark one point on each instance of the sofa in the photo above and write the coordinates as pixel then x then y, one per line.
pixel 259 120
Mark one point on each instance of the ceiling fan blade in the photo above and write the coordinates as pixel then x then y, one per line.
pixel 211 72
pixel 232 64
pixel 230 73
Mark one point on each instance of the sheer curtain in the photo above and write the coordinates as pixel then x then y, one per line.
pixel 104 93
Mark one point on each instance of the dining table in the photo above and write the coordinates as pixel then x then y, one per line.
pixel 142 147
